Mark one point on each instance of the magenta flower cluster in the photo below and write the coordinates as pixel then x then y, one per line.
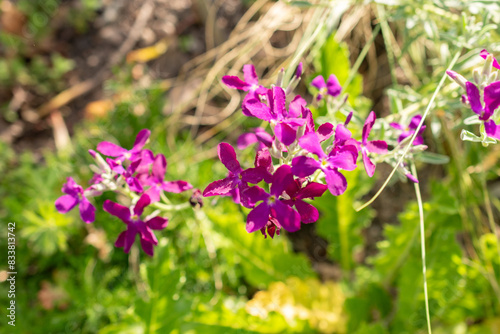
pixel 296 162
pixel 482 96
pixel 137 173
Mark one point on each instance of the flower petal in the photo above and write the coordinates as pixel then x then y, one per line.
pixel 325 131
pixel 254 108
pixel 337 184
pixel 157 223
pixel 311 190
pixel 369 165
pixel 246 139
pixel 285 133
pixel 235 82
pixel 147 234
pixel 308 213
pixel 147 247
pixel 367 127
pixel 176 187
pixel 258 217
pixel 288 218
pixel 87 211
pixel 492 130
pixel 318 82
pixel 117 210
pixel 159 168
pixel 282 177
pixel 110 149
pixel 140 140
pixel 474 97
pixel 277 102
pixel 295 107
pixel 344 158
pixel 65 203
pixel 154 193
pixel 491 98
pixel 485 54
pixel 254 194
pixel 227 156
pixel 333 86
pixel 250 75
pixel 304 166
pixel 143 202
pixel 129 239
pixel 220 187
pixel 120 241
pixel 310 143
pixel 377 146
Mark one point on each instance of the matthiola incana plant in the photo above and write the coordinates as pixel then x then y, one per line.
pixel 482 95
pixel 136 173
pixel 297 161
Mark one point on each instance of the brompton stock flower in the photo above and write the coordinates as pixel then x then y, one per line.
pixel 135 173
pixel 302 169
pixel 483 95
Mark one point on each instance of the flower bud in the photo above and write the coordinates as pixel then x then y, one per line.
pixel 477 77
pixel 279 81
pixel 196 199
pixel 457 78
pixel 487 67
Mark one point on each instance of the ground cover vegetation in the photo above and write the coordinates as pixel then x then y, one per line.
pixel 251 166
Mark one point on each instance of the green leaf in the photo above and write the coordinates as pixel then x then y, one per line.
pixel 264 260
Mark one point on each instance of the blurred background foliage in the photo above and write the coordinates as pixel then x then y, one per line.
pixel 351 272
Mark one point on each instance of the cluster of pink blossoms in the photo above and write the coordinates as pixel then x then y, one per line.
pixel 295 163
pixel 137 173
pixel 483 97
pixel 304 169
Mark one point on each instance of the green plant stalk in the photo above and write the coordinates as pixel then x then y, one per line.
pixel 422 247
pixel 361 57
pixel 410 143
pixel 489 211
pixel 387 41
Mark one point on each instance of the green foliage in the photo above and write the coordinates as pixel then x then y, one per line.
pixel 340 224
pixel 333 58
pixel 263 260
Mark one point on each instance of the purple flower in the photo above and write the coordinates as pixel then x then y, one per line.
pixel 373 146
pixel 75 195
pixel 343 157
pixel 272 227
pixel 157 183
pixel 131 180
pixel 285 125
pixel 135 225
pixel 491 129
pixel 331 86
pixel 297 194
pixel 258 135
pixel 409 130
pixel 484 54
pixel 298 72
pixel 250 84
pixel 271 204
pixel 122 154
pixel 491 99
pixel 237 180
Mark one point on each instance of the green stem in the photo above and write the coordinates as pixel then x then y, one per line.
pixel 422 246
pixel 417 130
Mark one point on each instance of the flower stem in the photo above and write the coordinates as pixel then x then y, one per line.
pixel 417 130
pixel 422 245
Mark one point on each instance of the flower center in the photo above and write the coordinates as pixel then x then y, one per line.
pixel 324 162
pixel 271 199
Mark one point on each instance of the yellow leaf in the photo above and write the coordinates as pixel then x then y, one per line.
pixel 148 53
